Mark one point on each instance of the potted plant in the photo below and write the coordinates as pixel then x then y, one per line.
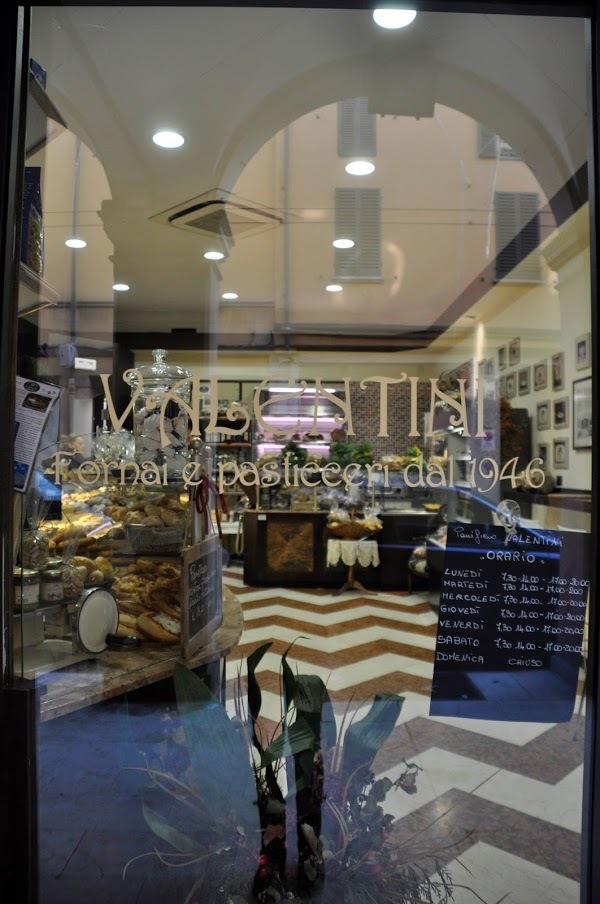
pixel 294 816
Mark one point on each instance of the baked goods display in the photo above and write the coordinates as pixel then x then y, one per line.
pixel 92 546
pixel 148 594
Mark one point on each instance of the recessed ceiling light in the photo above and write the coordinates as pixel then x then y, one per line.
pixel 359 167
pixel 214 255
pixel 334 287
pixel 121 287
pixel 229 296
pixel 343 243
pixel 75 243
pixel 166 139
pixel 394 18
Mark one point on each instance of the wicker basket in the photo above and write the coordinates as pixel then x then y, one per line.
pixel 350 530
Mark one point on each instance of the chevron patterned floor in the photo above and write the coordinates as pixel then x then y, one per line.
pixel 501 802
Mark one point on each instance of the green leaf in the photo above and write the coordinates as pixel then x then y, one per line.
pixel 311 837
pixel 162 829
pixel 218 756
pixel 292 741
pixel 380 789
pixel 314 705
pixel 364 739
pixel 289 680
pixel 254 692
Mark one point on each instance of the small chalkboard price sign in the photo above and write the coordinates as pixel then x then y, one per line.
pixel 202 596
pixel 511 623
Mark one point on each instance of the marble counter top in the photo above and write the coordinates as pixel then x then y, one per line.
pixel 116 672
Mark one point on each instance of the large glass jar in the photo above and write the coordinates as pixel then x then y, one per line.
pixel 167 447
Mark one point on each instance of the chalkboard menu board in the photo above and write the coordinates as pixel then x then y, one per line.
pixel 511 623
pixel 202 598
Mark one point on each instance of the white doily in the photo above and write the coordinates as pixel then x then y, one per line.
pixel 365 552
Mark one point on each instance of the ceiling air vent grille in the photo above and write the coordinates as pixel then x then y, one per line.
pixel 220 213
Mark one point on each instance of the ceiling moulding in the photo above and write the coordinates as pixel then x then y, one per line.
pixel 307 341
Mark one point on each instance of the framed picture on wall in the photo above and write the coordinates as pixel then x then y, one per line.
pixel 502 357
pixel 561 413
pixel 558 371
pixel 583 352
pixel 543 452
pixel 561 453
pixel 582 413
pixel 511 385
pixel 514 351
pixel 502 388
pixel 540 375
pixel 524 380
pixel 543 415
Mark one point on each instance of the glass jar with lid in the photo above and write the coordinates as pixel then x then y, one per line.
pixel 27 589
pixel 156 407
pixel 51 585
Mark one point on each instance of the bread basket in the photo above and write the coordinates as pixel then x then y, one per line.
pixel 352 529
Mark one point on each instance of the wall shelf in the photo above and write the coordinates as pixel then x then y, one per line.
pixel 44 122
pixel 34 293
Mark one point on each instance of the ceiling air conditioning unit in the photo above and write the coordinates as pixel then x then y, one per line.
pixel 221 214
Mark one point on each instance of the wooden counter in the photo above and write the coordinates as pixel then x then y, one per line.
pixel 288 549
pixel 113 673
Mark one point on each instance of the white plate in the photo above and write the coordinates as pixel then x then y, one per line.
pixel 97 616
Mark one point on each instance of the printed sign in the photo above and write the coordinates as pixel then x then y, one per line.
pixel 202 599
pixel 511 623
pixel 33 403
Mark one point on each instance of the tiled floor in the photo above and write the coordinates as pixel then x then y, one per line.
pixel 500 802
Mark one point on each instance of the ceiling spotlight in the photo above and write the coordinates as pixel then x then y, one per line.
pixel 121 287
pixel 214 255
pixel 359 167
pixel 343 243
pixel 394 18
pixel 230 296
pixel 75 243
pixel 334 287
pixel 166 139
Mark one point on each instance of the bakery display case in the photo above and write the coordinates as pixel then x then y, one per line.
pixel 96 567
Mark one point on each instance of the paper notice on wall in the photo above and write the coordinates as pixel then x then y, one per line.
pixel 33 404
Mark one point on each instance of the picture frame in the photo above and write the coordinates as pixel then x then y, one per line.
pixel 558 371
pixel 583 351
pixel 560 455
pixel 502 357
pixel 543 452
pixel 502 387
pixel 560 417
pixel 582 413
pixel 543 416
pixel 511 385
pixel 524 380
pixel 540 375
pixel 514 351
